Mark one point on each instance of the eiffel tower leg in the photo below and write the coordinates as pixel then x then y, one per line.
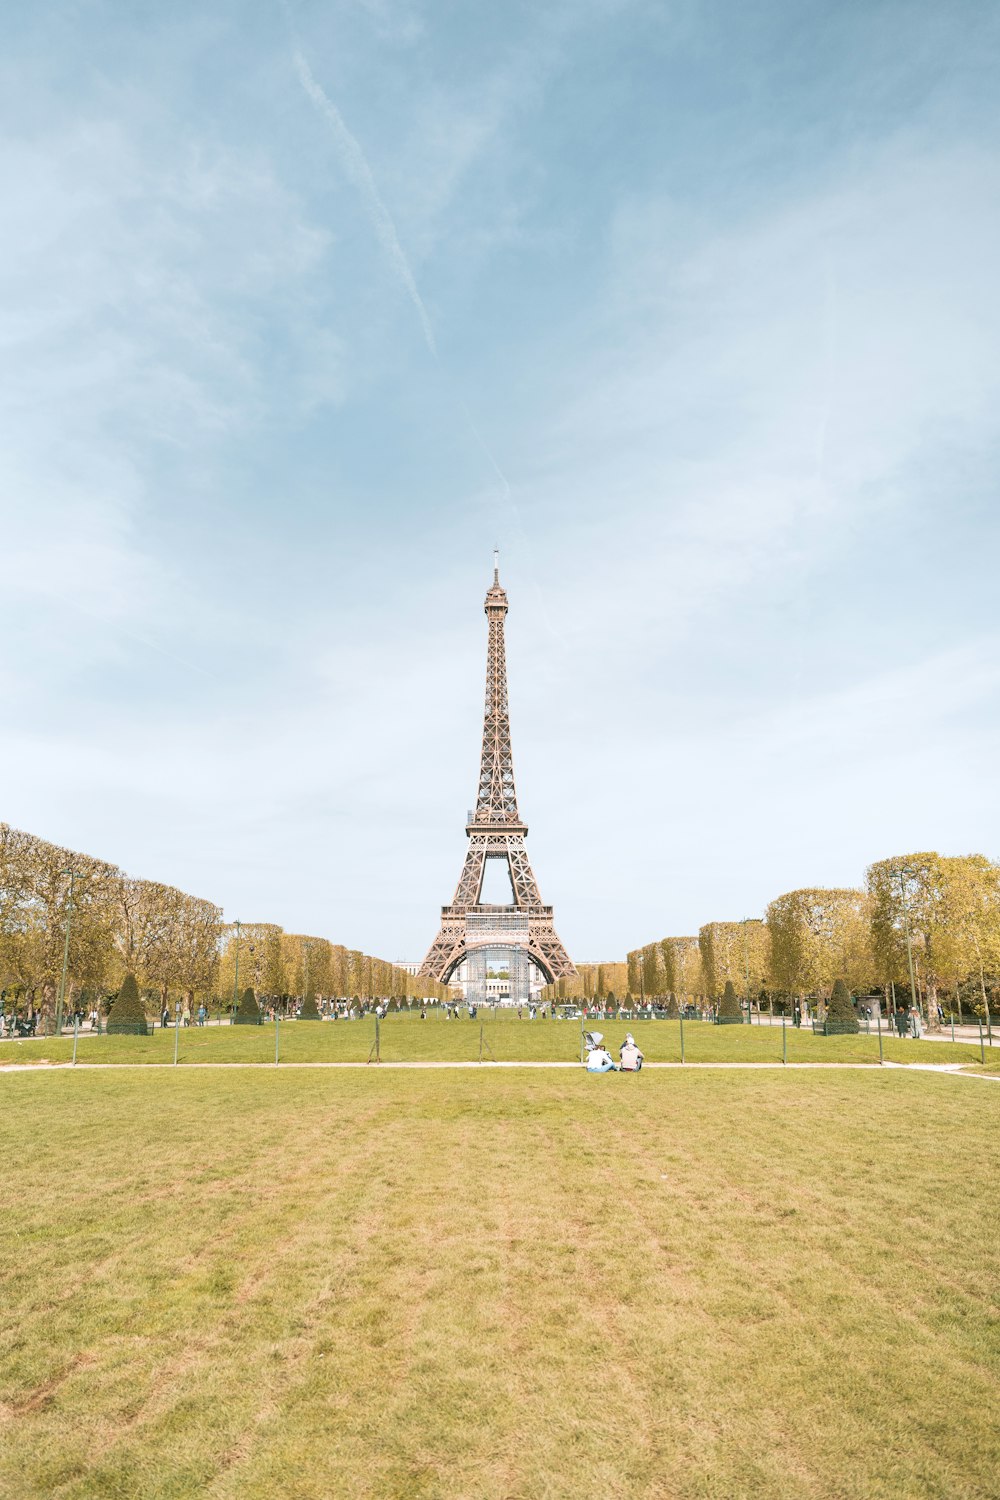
pixel 470 882
pixel 522 877
pixel 445 951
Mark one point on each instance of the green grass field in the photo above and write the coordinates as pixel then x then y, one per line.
pixel 267 1284
pixel 407 1038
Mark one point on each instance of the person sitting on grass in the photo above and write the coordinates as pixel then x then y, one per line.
pixel 599 1060
pixel 631 1058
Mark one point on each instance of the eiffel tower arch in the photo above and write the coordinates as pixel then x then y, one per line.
pixel 522 933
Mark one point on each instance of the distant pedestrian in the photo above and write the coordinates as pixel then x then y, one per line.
pixel 202 1014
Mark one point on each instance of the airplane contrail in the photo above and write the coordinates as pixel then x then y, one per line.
pixel 356 165
pixel 360 172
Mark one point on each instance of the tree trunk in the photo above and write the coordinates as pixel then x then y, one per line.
pixel 933 1019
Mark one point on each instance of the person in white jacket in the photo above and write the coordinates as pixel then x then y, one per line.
pixel 599 1060
pixel 631 1058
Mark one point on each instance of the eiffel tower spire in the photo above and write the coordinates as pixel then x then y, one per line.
pixel 496 800
pixel 495 831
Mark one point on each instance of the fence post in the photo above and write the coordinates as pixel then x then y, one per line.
pixel 784 1040
pixel 177 1030
pixel 982 1051
pixel 682 1036
pixel 881 1061
pixel 277 1029
pixel 480 1041
pixel 76 1032
pixel 953 1025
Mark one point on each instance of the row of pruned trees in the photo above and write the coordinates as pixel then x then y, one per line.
pixel 927 920
pixel 590 982
pixel 171 941
pixel 275 963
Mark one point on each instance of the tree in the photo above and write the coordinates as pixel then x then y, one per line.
pixel 682 967
pixel 729 1006
pixel 816 936
pixel 841 1017
pixel 651 970
pixel 735 952
pixel 127 1016
pixel 248 1011
pixel 916 922
pixel 964 941
pixel 309 1010
pixel 36 908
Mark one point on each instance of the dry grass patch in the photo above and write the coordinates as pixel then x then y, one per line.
pixel 500 1285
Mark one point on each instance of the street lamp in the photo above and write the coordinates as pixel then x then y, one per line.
pixel 236 979
pixel 906 926
pixel 73 874
pixel 306 948
pixel 746 967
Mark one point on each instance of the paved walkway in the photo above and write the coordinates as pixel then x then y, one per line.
pixel 953 1070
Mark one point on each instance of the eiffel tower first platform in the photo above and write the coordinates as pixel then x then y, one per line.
pixel 506 939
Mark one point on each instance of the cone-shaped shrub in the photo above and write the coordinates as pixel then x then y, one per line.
pixel 841 1017
pixel 127 1016
pixel 310 1010
pixel 729 1006
pixel 248 1012
pixel 672 1008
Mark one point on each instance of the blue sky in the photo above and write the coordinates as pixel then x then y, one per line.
pixel 694 309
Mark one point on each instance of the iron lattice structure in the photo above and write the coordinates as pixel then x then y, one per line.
pixel 495 831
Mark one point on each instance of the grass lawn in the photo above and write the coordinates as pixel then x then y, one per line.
pixel 519 1286
pixel 406 1037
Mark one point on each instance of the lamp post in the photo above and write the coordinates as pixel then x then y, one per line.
pixel 60 1001
pixel 746 967
pixel 236 979
pixel 906 926
pixel 306 948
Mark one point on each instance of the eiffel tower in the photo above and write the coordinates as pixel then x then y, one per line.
pixel 521 934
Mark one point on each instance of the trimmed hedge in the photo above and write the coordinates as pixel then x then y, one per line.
pixel 310 1010
pixel 730 1013
pixel 248 1013
pixel 127 1016
pixel 841 1017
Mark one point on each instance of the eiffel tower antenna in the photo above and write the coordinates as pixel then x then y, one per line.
pixel 522 934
